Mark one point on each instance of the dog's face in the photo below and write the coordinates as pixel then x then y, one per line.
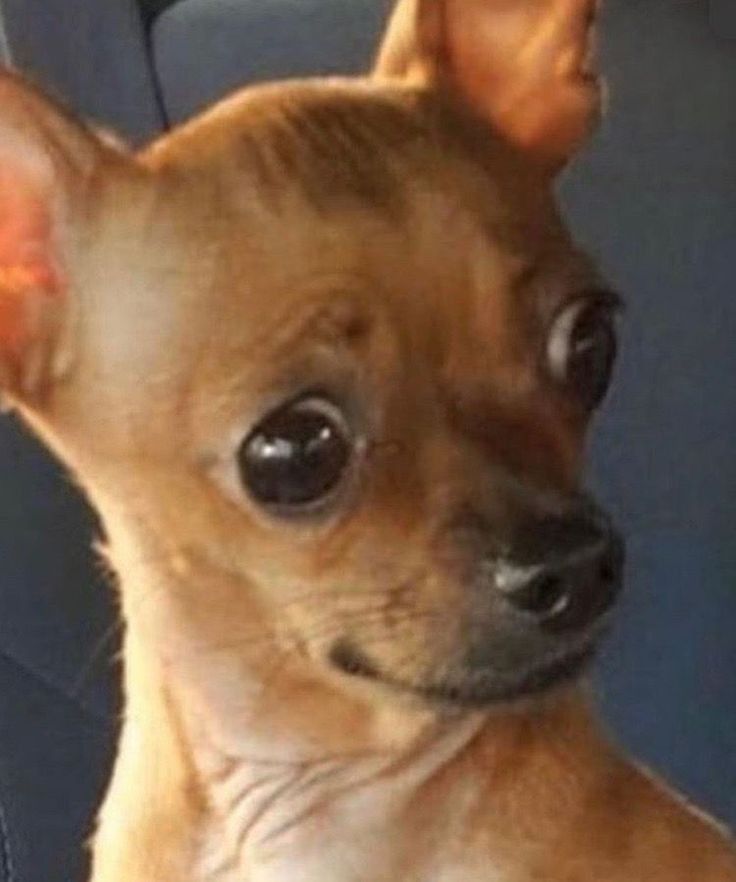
pixel 330 364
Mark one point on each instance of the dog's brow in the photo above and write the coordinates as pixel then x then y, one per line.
pixel 337 320
pixel 579 279
pixel 335 147
pixel 610 297
pixel 600 294
pixel 340 321
pixel 525 276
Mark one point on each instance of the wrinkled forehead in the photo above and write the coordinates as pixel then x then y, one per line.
pixel 347 199
pixel 342 145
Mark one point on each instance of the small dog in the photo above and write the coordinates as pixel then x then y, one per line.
pixel 324 359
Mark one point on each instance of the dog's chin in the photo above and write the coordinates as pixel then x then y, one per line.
pixel 484 688
pixel 470 688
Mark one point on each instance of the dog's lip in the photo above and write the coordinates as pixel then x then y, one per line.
pixel 484 689
pixel 475 688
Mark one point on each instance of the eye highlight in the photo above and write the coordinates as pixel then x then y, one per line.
pixel 297 455
pixel 582 348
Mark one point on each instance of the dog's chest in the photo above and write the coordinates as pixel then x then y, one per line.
pixel 356 839
pixel 344 819
pixel 290 824
pixel 346 863
pixel 342 849
pixel 311 858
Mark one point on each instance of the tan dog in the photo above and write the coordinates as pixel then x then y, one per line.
pixel 324 360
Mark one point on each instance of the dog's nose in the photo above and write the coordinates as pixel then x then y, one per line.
pixel 562 572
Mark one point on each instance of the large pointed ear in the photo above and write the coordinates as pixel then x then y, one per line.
pixel 46 161
pixel 522 65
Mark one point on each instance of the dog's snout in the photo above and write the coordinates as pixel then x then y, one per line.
pixel 561 572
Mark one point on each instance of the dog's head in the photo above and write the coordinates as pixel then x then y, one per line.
pixel 325 356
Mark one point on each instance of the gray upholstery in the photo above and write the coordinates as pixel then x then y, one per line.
pixel 204 48
pixel 54 762
pixel 58 636
pixel 654 200
pixel 93 54
pixel 723 18
pixel 56 608
pixel 4 44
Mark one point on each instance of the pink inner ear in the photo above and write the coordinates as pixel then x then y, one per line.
pixel 528 66
pixel 27 271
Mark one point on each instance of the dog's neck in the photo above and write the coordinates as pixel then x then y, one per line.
pixel 244 768
pixel 329 818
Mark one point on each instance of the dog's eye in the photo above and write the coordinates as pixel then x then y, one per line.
pixel 582 349
pixel 297 455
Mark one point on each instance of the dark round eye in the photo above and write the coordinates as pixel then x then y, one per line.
pixel 582 350
pixel 297 455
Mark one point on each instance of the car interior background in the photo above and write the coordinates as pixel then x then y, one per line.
pixel 654 200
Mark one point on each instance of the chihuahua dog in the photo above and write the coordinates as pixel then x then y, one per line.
pixel 324 359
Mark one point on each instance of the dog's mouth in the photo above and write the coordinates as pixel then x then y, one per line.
pixel 471 688
pixel 485 688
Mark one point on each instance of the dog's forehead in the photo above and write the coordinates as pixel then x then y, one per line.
pixel 348 143
pixel 318 205
pixel 318 163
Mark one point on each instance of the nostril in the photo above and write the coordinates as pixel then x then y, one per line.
pixel 607 572
pixel 545 596
pixel 565 574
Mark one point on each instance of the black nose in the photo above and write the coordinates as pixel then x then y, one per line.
pixel 562 572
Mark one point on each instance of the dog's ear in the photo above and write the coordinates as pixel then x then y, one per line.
pixel 46 161
pixel 521 65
